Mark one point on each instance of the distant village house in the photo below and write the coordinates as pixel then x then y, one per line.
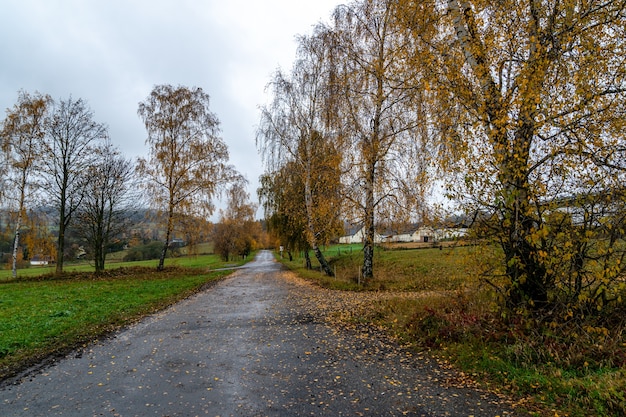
pixel 423 234
pixel 40 260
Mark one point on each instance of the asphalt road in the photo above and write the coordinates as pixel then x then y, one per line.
pixel 244 347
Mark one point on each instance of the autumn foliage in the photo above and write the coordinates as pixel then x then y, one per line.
pixel 536 94
pixel 515 108
pixel 515 111
pixel 188 159
pixel 237 234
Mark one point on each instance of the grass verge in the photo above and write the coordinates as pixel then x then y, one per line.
pixel 45 316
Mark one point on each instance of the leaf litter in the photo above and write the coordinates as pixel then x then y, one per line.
pixel 436 382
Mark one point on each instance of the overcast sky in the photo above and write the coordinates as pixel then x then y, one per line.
pixel 112 52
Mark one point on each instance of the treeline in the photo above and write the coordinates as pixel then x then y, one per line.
pixel 142 237
pixel 38 234
pixel 56 155
pixel 514 111
pixel 237 233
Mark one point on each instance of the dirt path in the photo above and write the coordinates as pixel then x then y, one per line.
pixel 253 345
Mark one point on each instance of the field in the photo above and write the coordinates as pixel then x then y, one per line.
pixel 42 316
pixel 434 299
pixel 407 269
pixel 115 260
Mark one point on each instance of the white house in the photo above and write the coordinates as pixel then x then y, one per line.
pixel 423 235
pixel 399 237
pixel 357 236
pixel 451 233
pixel 40 260
pixel 426 234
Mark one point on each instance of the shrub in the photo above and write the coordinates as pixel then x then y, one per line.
pixel 146 252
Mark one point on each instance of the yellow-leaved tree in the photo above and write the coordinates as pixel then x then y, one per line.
pixel 531 100
pixel 381 112
pixel 237 234
pixel 301 150
pixel 187 162
pixel 22 135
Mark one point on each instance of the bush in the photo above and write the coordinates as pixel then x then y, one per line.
pixel 576 362
pixel 145 252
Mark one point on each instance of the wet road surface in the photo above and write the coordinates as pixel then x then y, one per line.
pixel 244 347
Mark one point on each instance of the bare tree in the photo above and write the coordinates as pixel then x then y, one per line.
pixel 187 162
pixel 108 202
pixel 22 134
pixel 68 151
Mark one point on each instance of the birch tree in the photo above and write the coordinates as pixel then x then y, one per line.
pixel 282 194
pixel 295 129
pixel 22 134
pixel 381 112
pixel 187 162
pixel 534 93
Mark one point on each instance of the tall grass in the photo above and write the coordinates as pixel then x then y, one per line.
pixel 427 269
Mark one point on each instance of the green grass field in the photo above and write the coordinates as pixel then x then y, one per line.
pixel 204 257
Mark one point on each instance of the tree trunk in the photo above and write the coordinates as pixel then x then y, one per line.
pixel 322 260
pixel 526 271
pixel 368 258
pixel 61 238
pixel 99 264
pixel 170 223
pixel 104 229
pixel 16 244
pixel 368 226
pixel 307 260
pixel 372 152
pixel 18 223
pixel 311 228
pixel 99 255
pixel 161 265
